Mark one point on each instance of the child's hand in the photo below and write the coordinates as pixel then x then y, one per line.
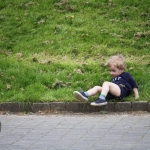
pixel 136 93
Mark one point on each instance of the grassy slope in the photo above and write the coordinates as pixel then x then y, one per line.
pixel 48 49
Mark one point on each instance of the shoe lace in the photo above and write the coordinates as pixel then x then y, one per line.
pixel 97 100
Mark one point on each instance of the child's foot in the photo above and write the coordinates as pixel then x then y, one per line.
pixel 80 96
pixel 99 102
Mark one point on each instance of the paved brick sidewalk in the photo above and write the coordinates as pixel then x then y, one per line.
pixel 75 132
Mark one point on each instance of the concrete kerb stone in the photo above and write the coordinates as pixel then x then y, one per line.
pixel 58 106
pixel 75 107
pixel 41 107
pixel 123 106
pixel 148 107
pixel 86 107
pixel 140 106
pixel 72 106
pixel 16 107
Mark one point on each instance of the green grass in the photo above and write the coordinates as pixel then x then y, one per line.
pixel 50 48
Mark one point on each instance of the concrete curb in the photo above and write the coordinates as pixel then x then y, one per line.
pixel 75 107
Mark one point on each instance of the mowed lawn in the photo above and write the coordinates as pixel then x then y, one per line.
pixel 50 48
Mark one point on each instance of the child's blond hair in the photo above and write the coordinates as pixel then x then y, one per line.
pixel 116 61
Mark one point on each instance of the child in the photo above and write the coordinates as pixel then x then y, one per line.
pixel 121 84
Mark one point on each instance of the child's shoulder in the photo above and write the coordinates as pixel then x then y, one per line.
pixel 127 74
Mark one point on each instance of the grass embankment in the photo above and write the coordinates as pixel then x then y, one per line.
pixel 50 48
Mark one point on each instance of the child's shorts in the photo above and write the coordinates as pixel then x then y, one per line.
pixel 124 92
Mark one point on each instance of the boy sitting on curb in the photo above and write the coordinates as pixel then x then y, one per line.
pixel 121 84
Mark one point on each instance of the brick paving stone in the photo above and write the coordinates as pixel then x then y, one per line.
pixel 75 132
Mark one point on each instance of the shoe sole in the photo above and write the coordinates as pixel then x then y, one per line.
pixel 80 97
pixel 101 104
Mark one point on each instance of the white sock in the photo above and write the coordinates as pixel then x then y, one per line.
pixel 86 93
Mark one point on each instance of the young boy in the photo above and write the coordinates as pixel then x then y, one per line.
pixel 121 84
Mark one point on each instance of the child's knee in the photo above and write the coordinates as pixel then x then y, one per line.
pixel 98 88
pixel 106 82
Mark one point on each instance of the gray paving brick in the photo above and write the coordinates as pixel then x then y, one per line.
pixel 36 148
pixel 4 146
pixel 142 147
pixel 75 132
pixel 57 148
pixel 17 147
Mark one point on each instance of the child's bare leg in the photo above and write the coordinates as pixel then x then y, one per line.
pixel 94 90
pixel 83 96
pixel 110 87
pixel 106 87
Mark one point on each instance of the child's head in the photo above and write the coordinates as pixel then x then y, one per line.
pixel 116 61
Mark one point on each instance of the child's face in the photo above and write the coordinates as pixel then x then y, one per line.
pixel 114 71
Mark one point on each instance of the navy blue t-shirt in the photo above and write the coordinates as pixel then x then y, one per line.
pixel 126 79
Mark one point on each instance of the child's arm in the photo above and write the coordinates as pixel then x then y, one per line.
pixel 136 93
